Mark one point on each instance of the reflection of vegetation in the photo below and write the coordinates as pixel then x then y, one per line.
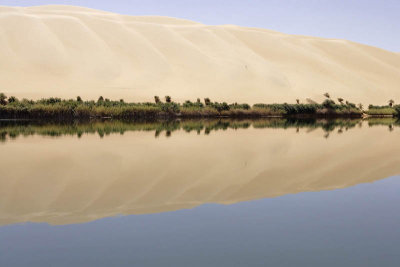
pixel 383 121
pixel 389 122
pixel 13 129
pixel 326 125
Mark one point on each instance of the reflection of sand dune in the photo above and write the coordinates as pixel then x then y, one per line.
pixel 71 180
pixel 69 51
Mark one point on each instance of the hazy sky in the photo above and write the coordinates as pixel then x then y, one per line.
pixel 373 22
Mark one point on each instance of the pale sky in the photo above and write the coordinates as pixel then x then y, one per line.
pixel 372 22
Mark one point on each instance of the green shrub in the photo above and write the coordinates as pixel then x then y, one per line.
pixel 329 104
pixel 57 108
pixel 3 99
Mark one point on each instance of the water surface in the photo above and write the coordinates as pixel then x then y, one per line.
pixel 200 193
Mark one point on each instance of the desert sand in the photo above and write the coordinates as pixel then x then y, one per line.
pixel 67 51
pixel 70 180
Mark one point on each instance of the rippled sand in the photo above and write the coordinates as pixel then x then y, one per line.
pixel 67 51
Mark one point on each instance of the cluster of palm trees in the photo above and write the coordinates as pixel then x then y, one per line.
pixel 157 99
pixel 341 101
pixel 168 99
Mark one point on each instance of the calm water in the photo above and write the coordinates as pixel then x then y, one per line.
pixel 200 193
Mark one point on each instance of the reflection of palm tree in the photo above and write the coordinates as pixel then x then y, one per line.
pixel 391 128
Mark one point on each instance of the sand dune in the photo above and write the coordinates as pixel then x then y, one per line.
pixel 68 51
pixel 71 180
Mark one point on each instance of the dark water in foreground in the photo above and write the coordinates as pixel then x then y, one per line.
pixel 200 193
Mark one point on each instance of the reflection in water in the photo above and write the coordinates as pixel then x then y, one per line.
pixel 14 129
pixel 72 180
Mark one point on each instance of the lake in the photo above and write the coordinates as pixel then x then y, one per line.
pixel 277 192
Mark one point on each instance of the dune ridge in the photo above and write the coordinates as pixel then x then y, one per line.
pixel 67 51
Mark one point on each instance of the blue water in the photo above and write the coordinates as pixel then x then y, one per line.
pixel 356 226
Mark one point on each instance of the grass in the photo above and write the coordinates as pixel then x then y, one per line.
pixel 61 109
pixel 326 109
pixel 383 110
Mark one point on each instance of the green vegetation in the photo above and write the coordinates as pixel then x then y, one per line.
pixel 3 99
pixel 326 109
pixel 383 110
pixel 61 109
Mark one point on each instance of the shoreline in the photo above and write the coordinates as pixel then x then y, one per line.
pixel 168 116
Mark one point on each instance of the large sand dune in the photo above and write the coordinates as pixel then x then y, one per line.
pixel 68 51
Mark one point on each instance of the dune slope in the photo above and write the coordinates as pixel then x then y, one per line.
pixel 67 51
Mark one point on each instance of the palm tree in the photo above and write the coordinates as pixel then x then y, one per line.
pixel 168 99
pixel 207 101
pixel 157 99
pixel 327 95
pixel 12 99
pixel 78 99
pixel 298 101
pixel 3 99
pixel 340 100
pixel 391 102
pixel 360 106
pixel 101 99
